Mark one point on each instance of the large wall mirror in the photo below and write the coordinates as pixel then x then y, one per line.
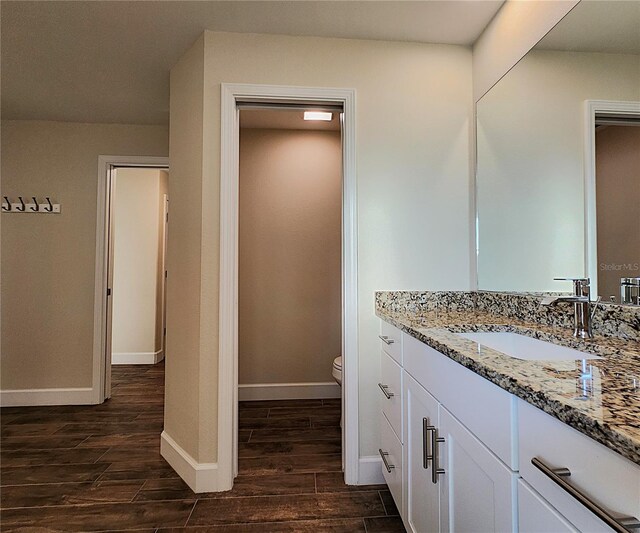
pixel 558 161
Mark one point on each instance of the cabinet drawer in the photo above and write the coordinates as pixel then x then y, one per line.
pixel 390 389
pixel 602 475
pixel 484 408
pixel 391 340
pixel 390 445
pixel 535 515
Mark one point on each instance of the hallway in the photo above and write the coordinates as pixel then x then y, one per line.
pixel 92 468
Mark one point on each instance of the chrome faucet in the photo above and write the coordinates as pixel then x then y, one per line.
pixel 582 312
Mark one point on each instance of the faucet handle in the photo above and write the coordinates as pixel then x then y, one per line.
pixel 580 285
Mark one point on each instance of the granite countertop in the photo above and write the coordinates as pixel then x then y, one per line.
pixel 601 400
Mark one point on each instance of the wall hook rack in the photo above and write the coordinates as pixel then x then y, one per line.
pixel 33 206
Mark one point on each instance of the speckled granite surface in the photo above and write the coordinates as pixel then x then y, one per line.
pixel 600 397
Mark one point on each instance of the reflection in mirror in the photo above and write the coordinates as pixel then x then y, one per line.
pixel 555 198
pixel 617 153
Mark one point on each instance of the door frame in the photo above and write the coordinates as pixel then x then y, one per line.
pixel 231 95
pixel 101 360
pixel 593 107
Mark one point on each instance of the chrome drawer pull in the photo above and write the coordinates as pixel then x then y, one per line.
pixel 384 390
pixel 435 468
pixel 426 454
pixel 384 460
pixel 386 339
pixel 622 525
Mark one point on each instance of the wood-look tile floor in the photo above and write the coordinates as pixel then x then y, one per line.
pixel 98 468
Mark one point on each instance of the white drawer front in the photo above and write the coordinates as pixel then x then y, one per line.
pixel 535 515
pixel 390 445
pixel 391 340
pixel 390 389
pixel 602 475
pixel 484 408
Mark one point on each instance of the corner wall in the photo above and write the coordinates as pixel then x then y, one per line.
pixel 414 106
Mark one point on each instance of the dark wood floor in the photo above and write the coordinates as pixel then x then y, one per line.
pixel 98 468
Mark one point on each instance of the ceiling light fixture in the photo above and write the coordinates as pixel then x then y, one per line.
pixel 318 115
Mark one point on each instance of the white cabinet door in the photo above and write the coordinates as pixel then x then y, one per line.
pixel 478 492
pixel 421 513
pixel 535 515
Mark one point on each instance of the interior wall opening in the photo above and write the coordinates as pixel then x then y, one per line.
pixel 137 274
pixel 290 287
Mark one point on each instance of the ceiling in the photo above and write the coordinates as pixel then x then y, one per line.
pixel 109 61
pixel 608 26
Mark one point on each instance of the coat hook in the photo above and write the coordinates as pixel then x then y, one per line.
pixel 8 206
pixel 50 208
pixel 37 207
pixel 21 209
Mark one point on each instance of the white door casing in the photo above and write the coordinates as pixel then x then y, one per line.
pixel 231 95
pixel 101 378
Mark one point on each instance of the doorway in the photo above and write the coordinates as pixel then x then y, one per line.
pixel 130 308
pixel 234 96
pixel 290 289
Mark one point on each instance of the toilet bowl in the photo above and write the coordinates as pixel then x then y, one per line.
pixel 336 371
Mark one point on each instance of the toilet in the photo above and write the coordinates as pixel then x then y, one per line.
pixel 336 371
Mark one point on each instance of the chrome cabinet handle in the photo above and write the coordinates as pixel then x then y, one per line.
pixel 435 468
pixel 384 390
pixel 426 454
pixel 384 460
pixel 622 525
pixel 386 339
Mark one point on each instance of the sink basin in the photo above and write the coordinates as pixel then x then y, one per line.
pixel 523 347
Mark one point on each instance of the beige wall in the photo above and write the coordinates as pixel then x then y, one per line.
pixel 289 255
pixel 413 112
pixel 185 368
pixel 515 29
pixel 137 264
pixel 48 262
pixel 618 214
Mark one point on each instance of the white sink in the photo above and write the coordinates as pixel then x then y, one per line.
pixel 523 347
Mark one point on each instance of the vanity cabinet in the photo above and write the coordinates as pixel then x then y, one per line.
pixel 455 432
pixel 464 454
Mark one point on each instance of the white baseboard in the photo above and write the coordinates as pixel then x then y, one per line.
pixel 137 358
pixel 288 391
pixel 370 470
pixel 34 397
pixel 201 477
